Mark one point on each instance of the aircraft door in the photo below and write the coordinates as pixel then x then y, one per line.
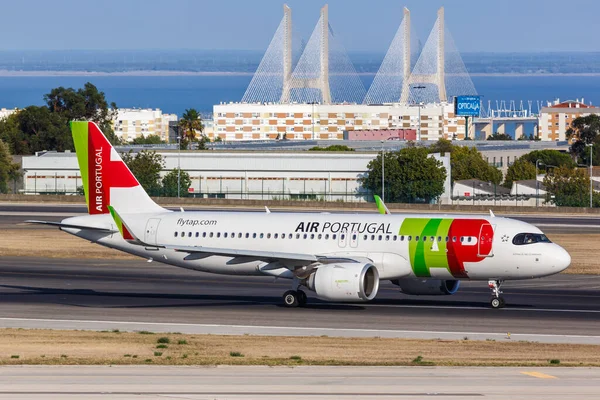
pixel 486 237
pixel 151 231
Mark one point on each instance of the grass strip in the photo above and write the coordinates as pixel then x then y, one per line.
pixel 56 347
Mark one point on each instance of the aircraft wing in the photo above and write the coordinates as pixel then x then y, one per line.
pixel 255 254
pixel 61 225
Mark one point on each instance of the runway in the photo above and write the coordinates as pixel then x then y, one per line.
pixel 136 295
pixel 316 383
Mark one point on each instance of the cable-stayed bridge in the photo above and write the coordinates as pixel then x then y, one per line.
pixel 324 73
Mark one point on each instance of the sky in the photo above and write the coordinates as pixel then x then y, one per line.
pixel 362 25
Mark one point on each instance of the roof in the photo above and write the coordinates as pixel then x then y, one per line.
pixel 488 187
pixel 531 183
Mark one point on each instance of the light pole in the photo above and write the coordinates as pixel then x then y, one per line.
pixel 419 112
pixel 178 164
pixel 537 186
pixel 382 172
pixel 591 146
pixel 313 120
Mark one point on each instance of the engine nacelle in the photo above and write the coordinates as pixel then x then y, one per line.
pixel 345 282
pixel 427 287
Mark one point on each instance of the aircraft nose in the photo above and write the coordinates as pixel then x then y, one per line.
pixel 561 259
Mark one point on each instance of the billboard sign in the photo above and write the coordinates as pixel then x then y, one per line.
pixel 467 106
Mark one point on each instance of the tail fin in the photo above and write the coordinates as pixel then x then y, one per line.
pixel 106 178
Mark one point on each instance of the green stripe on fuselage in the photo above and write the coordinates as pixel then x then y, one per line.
pixel 426 253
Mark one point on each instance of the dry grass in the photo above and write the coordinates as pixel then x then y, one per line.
pixel 584 250
pixel 81 347
pixel 41 242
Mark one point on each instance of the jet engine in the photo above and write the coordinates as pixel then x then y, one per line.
pixel 427 287
pixel 344 282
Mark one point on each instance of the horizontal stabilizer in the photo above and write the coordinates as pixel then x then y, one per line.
pixel 61 225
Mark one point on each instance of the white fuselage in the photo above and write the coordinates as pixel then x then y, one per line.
pixel 399 245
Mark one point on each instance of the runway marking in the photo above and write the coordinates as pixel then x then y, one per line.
pixel 297 328
pixel 508 308
pixel 538 375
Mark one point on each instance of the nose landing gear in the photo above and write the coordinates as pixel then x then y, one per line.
pixel 497 301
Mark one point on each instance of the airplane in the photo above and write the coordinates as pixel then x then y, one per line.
pixel 340 257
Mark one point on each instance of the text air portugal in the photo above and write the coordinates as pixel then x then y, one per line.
pixel 102 173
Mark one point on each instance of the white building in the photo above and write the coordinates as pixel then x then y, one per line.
pixel 236 175
pixel 247 121
pixel 130 123
pixel 5 112
pixel 556 118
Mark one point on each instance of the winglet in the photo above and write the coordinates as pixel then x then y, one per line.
pixel 381 205
pixel 267 210
pixel 122 226
pixel 492 214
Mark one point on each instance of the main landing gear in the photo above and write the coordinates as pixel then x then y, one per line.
pixel 497 301
pixel 295 297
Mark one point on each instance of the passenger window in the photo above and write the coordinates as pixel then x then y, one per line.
pixel 262 235
pixel 275 236
pixel 189 234
pixel 372 237
pixel 447 238
pixel 290 236
pixel 312 235
pixel 343 236
pixel 305 236
pixel 439 238
pixel 211 234
pixel 182 234
pixel 176 233
pixel 395 238
pixel 387 237
pixel 380 237
pixel 254 236
pixel 432 239
pixel 469 239
pixel 233 235
pixel 218 234
pixel 365 237
pixel 326 236
pixel 416 238
pixel 320 236
pixel 197 234
pixel 334 236
pixel 225 235
pixel 268 236
pixel 409 238
pixel 247 235
pixel 297 236
pixel 454 238
pixel 402 238
pixel 353 236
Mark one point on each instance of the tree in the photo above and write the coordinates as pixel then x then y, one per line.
pixel 189 126
pixel 567 187
pixel 8 169
pixel 551 158
pixel 467 163
pixel 584 131
pixel 499 136
pixel 521 169
pixel 169 183
pixel 85 103
pixel 442 146
pixel 146 166
pixel 411 174
pixel 47 127
pixel 150 139
pixel 333 147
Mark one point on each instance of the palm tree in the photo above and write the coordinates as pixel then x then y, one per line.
pixel 189 124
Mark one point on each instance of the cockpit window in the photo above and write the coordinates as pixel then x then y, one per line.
pixel 529 238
